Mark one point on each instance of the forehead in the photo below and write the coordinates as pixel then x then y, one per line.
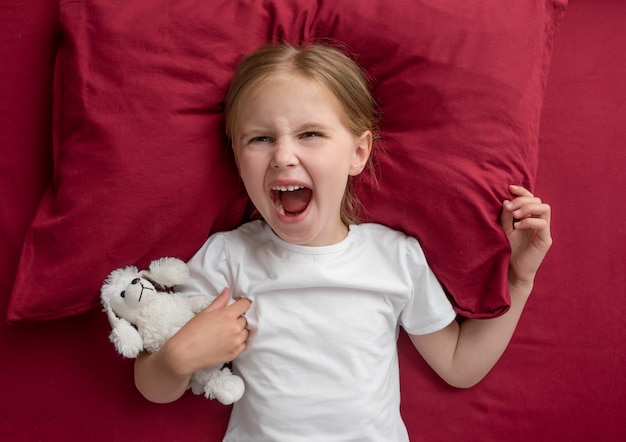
pixel 289 92
pixel 288 83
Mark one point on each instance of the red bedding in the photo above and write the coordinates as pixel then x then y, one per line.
pixel 562 377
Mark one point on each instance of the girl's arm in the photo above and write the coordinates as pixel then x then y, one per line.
pixel 462 354
pixel 213 337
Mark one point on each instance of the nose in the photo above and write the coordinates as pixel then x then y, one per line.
pixel 284 154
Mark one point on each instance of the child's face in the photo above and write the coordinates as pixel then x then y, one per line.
pixel 295 153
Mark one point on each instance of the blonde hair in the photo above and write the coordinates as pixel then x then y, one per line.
pixel 323 64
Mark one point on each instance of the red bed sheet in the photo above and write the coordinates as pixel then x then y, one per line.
pixel 562 377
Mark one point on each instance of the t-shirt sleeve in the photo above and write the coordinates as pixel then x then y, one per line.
pixel 428 309
pixel 208 269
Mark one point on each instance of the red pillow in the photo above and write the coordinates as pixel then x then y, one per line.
pixel 141 169
pixel 27 46
pixel 460 87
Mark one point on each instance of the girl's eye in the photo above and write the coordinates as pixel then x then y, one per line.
pixel 261 139
pixel 311 135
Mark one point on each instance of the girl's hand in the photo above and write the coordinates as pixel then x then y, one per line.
pixel 214 336
pixel 526 222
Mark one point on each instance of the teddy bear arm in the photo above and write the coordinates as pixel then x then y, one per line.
pixel 199 303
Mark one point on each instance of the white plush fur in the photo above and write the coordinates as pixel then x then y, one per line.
pixel 143 315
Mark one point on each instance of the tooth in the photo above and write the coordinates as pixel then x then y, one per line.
pixel 280 208
pixel 289 188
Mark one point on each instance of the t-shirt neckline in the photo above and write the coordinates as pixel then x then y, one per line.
pixel 313 250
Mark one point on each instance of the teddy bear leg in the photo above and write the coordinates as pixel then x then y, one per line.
pixel 224 386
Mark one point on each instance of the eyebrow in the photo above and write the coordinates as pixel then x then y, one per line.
pixel 314 126
pixel 261 130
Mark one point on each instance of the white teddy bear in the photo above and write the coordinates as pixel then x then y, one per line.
pixel 143 315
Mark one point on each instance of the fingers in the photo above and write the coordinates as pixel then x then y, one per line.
pixel 540 228
pixel 240 306
pixel 526 212
pixel 522 198
pixel 524 205
pixel 234 311
pixel 519 191
pixel 242 331
pixel 521 211
pixel 220 302
pixel 219 332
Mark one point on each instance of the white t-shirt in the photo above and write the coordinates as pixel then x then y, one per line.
pixel 321 362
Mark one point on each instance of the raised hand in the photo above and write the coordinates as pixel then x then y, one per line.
pixel 526 222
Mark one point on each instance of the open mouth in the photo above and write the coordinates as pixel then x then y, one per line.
pixel 291 200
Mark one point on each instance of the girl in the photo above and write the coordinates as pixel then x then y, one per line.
pixel 323 296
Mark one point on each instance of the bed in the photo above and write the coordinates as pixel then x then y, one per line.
pixel 113 155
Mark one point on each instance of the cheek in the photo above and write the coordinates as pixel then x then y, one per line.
pixel 251 172
pixel 243 164
pixel 341 167
pixel 237 156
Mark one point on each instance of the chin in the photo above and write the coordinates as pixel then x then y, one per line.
pixel 299 238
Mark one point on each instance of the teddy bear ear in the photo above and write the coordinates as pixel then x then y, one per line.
pixel 105 299
pixel 168 272
pixel 126 339
pixel 117 281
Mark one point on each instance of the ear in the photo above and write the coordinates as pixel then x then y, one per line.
pixel 362 151
pixel 167 272
pixel 124 336
pixel 126 339
pixel 109 288
pixel 106 303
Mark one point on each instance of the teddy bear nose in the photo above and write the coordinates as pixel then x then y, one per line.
pixel 135 281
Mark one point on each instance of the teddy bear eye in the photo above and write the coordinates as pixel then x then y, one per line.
pixel 123 294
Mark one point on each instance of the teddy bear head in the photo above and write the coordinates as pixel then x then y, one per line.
pixel 127 290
